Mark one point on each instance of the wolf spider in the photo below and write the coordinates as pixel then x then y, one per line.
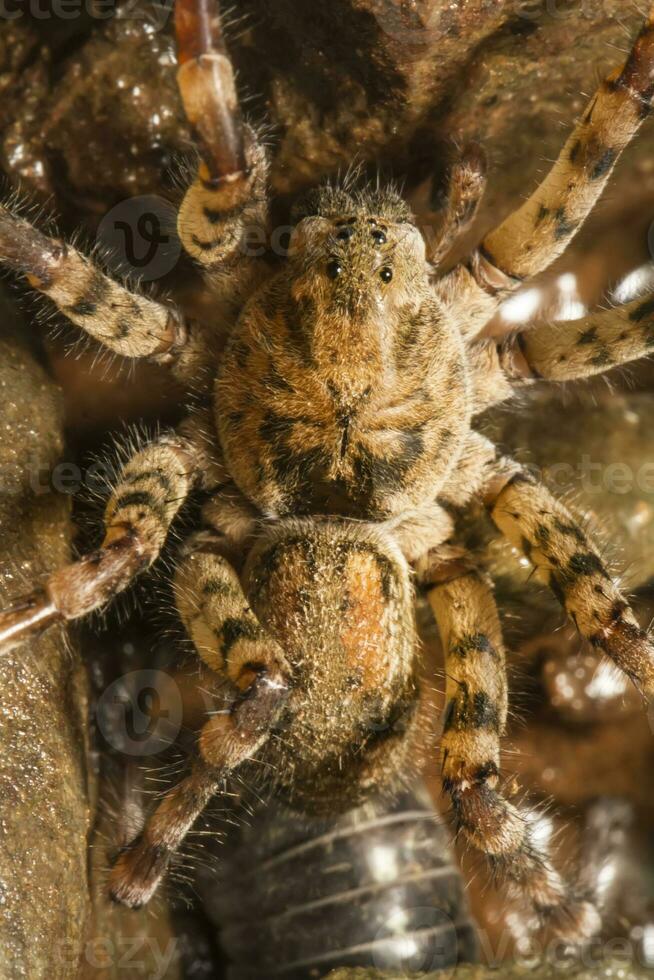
pixel 333 438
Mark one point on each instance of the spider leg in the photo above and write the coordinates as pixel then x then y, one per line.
pixel 466 186
pixel 218 618
pixel 149 493
pixel 230 640
pixel 475 719
pixel 140 866
pixel 561 351
pixel 567 559
pixel 532 237
pixel 581 348
pixel 123 321
pixel 206 82
pixel 228 199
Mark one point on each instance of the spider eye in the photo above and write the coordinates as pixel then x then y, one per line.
pixel 379 236
pixel 345 233
pixel 386 275
pixel 334 269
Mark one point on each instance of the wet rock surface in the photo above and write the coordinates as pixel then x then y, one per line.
pixel 45 816
pixel 609 970
pixel 94 116
pixel 55 919
pixel 98 125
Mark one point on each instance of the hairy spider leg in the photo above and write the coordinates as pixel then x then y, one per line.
pixel 475 719
pixel 532 237
pixel 228 202
pixel 229 639
pixel 122 320
pixel 565 557
pixel 150 491
pixel 581 348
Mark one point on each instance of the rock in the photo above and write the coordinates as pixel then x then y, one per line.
pixel 55 920
pixel 122 944
pixel 378 81
pixel 606 970
pixel 44 788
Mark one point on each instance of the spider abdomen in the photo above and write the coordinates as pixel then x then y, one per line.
pixel 339 600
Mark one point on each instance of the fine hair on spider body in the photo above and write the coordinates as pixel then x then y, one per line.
pixel 334 441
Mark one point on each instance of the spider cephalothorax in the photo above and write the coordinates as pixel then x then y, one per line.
pixel 334 441
pixel 355 381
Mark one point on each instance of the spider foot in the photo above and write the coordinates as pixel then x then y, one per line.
pixel 139 868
